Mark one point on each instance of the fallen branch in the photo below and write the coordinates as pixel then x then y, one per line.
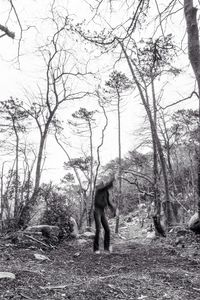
pixel 54 287
pixel 63 286
pixel 34 239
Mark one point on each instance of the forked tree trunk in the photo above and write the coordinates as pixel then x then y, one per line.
pixel 194 57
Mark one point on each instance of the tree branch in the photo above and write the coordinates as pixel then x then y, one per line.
pixel 7 32
pixel 181 100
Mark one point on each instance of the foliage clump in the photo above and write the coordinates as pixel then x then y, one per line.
pixel 57 211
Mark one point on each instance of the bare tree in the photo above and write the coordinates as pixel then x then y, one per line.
pixel 86 123
pixel 102 104
pixel 145 70
pixel 122 36
pixel 13 17
pixel 14 124
pixel 86 169
pixel 117 84
pixel 60 74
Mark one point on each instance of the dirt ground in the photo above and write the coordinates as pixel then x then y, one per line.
pixel 137 269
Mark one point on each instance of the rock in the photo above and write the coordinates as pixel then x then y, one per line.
pixel 142 297
pixel 75 232
pixel 81 241
pixel 41 257
pixel 77 254
pixel 129 220
pixel 151 235
pixel 46 228
pixel 88 235
pixel 49 232
pixel 194 223
pixel 193 219
pixel 7 275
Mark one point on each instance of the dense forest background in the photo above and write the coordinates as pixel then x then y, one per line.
pixel 86 74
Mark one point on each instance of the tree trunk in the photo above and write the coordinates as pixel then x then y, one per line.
pixel 16 204
pixel 89 218
pixel 98 158
pixel 120 161
pixel 155 155
pixel 1 194
pixel 194 57
pixel 26 210
pixel 155 136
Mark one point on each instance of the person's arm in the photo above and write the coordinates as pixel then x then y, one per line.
pixel 110 204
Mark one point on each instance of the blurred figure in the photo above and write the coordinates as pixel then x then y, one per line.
pixel 101 202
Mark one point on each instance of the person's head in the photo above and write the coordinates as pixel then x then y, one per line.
pixel 99 184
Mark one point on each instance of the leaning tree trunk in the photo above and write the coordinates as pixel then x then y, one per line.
pixel 194 57
pixel 155 137
pixel 155 155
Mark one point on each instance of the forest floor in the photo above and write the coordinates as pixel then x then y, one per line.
pixel 138 268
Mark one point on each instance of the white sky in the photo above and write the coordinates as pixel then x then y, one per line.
pixel 14 81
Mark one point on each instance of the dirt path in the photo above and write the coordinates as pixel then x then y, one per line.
pixel 134 270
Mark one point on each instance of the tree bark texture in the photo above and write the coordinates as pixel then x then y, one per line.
pixel 194 56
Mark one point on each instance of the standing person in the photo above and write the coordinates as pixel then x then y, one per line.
pixel 101 202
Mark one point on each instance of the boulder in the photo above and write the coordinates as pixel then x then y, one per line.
pixel 194 223
pixel 74 227
pixel 39 228
pixel 49 232
pixel 193 219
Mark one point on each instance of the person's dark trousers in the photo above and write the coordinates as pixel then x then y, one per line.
pixel 100 218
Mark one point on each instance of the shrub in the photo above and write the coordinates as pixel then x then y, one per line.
pixel 57 212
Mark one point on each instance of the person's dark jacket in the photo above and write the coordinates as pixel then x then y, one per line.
pixel 102 200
